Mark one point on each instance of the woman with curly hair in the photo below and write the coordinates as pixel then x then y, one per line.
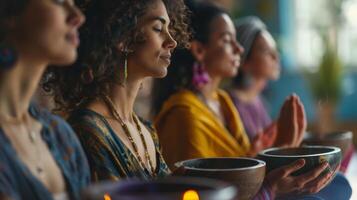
pixel 197 119
pixel 123 42
pixel 40 156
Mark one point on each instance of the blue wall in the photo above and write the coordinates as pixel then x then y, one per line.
pixel 291 82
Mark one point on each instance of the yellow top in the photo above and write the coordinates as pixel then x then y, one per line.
pixel 188 129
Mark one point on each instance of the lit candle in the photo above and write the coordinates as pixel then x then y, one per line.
pixel 107 197
pixel 191 195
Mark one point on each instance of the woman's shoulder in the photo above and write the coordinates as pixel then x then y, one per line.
pixel 85 116
pixel 182 97
pixel 224 94
pixel 184 106
pixel 53 123
pixel 58 134
pixel 88 123
pixel 44 115
pixel 183 101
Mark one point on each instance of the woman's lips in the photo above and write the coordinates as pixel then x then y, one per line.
pixel 166 58
pixel 236 62
pixel 73 38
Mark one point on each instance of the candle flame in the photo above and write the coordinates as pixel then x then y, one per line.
pixel 107 197
pixel 191 195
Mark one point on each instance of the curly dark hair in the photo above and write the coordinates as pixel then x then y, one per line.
pixel 108 22
pixel 180 71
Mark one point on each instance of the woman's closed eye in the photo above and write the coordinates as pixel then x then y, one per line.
pixel 228 39
pixel 157 29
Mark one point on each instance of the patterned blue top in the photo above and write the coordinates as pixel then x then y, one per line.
pixel 16 180
pixel 108 157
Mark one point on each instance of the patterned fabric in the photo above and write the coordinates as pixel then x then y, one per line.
pixel 16 180
pixel 108 157
pixel 185 121
pixel 253 114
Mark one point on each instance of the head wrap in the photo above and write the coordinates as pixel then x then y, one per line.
pixel 248 29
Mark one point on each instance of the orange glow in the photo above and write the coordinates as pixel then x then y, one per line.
pixel 107 197
pixel 191 195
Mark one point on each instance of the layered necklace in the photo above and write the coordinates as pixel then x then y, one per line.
pixel 32 136
pixel 117 117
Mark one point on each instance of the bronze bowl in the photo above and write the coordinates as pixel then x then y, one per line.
pixel 313 156
pixel 340 139
pixel 245 173
pixel 170 188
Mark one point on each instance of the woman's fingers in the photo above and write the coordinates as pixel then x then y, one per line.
pixel 283 110
pixel 294 116
pixel 257 143
pixel 283 182
pixel 285 124
pixel 302 123
pixel 312 176
pixel 280 180
pixel 291 168
pixel 319 183
pixel 269 135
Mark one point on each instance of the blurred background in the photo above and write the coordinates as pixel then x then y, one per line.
pixel 317 41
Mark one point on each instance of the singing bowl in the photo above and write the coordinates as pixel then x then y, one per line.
pixel 340 139
pixel 313 156
pixel 170 188
pixel 246 174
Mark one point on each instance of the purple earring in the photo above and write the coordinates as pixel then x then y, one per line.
pixel 8 57
pixel 200 76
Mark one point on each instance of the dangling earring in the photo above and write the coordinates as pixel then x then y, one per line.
pixel 125 66
pixel 126 52
pixel 200 76
pixel 8 57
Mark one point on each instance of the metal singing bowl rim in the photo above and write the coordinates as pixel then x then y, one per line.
pixel 330 150
pixel 258 164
